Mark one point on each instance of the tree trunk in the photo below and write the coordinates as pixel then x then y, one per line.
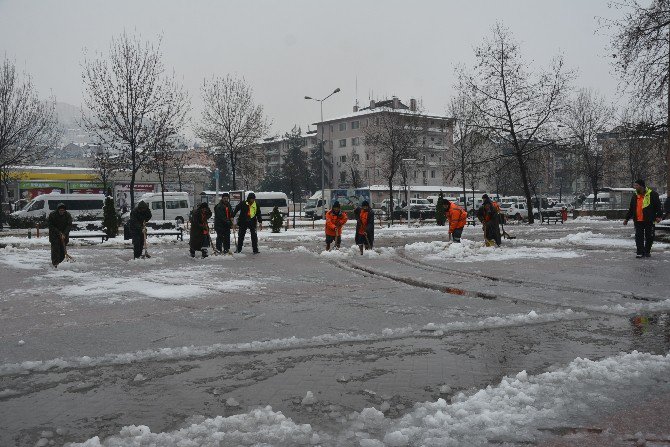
pixel 233 167
pixel 465 194
pixel 526 187
pixel 132 179
pixel 391 207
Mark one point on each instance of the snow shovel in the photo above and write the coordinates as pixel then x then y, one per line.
pixel 234 240
pixel 146 254
pixel 211 242
pixel 67 256
pixel 505 233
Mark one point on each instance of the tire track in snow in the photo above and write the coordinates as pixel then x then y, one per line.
pixel 413 262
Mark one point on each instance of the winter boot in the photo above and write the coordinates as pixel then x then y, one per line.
pixel 192 253
pixel 204 253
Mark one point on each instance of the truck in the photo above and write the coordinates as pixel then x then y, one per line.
pixel 349 199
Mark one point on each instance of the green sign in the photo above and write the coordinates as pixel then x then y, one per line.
pixel 43 184
pixel 86 185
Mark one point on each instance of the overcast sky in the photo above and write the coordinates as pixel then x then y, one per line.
pixel 292 48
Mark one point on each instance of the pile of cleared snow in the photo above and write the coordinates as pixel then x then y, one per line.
pixel 184 352
pixel 511 412
pixel 471 251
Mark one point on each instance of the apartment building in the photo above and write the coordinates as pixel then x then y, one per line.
pixel 275 149
pixel 352 163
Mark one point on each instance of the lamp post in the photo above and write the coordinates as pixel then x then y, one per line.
pixel 323 151
pixel 408 162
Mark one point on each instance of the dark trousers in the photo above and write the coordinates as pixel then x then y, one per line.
pixel 223 238
pixel 138 245
pixel 456 235
pixel 254 237
pixel 644 237
pixel 492 231
pixel 57 250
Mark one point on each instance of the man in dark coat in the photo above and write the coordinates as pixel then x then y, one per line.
pixel 223 222
pixel 199 240
pixel 60 223
pixel 250 216
pixel 645 209
pixel 488 216
pixel 137 223
pixel 365 226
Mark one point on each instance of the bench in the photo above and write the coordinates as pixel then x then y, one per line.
pixel 86 230
pixel 471 221
pixel 554 219
pixel 161 228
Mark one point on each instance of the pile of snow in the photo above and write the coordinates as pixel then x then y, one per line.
pixel 184 352
pixel 471 251
pixel 510 412
pixel 591 239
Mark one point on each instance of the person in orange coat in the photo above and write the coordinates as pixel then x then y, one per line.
pixel 335 220
pixel 457 218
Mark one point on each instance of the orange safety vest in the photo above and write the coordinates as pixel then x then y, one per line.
pixel 363 216
pixel 457 217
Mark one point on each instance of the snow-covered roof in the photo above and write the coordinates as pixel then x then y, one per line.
pixel 50 168
pixel 366 112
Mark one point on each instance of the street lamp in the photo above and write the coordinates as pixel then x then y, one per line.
pixel 323 153
pixel 408 161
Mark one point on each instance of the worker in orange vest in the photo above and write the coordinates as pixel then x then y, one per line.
pixel 457 218
pixel 335 220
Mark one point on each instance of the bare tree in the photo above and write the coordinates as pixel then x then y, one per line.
pixel 231 120
pixel 352 168
pixel 131 102
pixel 641 55
pixel 514 105
pixel 28 125
pixel 468 141
pixel 394 136
pixel 105 163
pixel 586 116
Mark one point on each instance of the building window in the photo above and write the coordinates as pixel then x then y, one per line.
pixel 356 141
pixel 439 141
pixel 432 174
pixel 355 158
pixel 343 176
pixel 367 156
pixel 343 142
pixel 355 125
pixel 343 158
pixel 414 175
pixel 343 127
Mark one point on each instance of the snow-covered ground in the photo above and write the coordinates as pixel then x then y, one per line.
pixel 418 342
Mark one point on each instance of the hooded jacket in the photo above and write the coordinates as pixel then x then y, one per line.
pixel 59 224
pixel 457 217
pixel 138 217
pixel 199 226
pixel 335 222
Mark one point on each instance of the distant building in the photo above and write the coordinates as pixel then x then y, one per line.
pixel 347 153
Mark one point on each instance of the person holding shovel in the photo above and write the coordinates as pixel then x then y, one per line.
pixel 335 220
pixel 457 218
pixel 223 223
pixel 365 226
pixel 137 223
pixel 60 223
pixel 200 238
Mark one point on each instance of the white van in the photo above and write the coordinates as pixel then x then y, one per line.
pixel 177 205
pixel 268 200
pixel 76 204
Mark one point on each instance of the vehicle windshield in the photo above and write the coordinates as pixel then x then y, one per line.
pixel 311 203
pixel 506 205
pixel 27 205
pixel 421 201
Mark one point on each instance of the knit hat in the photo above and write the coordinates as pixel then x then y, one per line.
pixel 485 196
pixel 251 196
pixel 365 203
pixel 61 205
pixel 225 194
pixel 336 204
pixel 641 183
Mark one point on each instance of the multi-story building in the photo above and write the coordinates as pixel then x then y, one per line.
pixel 351 162
pixel 275 150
